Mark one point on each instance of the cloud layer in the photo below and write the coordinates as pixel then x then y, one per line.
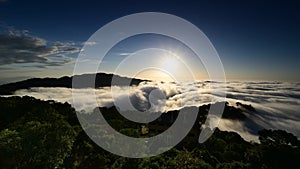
pixel 18 47
pixel 276 104
pixel 27 49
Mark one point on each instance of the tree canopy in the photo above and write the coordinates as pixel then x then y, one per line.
pixel 47 134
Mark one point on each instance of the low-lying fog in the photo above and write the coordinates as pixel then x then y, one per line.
pixel 277 104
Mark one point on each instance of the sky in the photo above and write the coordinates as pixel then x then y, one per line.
pixel 255 40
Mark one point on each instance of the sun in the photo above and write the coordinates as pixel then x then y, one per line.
pixel 170 62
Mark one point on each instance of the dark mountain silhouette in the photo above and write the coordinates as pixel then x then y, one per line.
pixel 101 80
pixel 245 106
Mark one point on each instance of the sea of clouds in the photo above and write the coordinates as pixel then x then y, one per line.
pixel 277 104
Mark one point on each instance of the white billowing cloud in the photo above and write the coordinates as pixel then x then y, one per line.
pixel 277 104
pixel 238 127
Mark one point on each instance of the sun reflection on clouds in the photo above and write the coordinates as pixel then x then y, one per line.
pixel 156 75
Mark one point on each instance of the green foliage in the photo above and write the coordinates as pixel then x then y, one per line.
pixel 186 160
pixel 277 138
pixel 37 136
pixel 130 132
pixel 10 148
pixel 233 165
pixel 46 134
pixel 279 149
pixel 45 145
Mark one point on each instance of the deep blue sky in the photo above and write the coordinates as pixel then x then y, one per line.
pixel 255 40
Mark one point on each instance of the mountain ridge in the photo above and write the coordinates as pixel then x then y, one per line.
pixel 101 80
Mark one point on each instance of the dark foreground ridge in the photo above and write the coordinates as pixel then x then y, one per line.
pixel 101 80
pixel 45 134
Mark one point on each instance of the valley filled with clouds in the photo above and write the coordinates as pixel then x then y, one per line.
pixel 275 104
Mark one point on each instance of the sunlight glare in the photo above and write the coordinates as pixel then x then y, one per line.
pixel 170 62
